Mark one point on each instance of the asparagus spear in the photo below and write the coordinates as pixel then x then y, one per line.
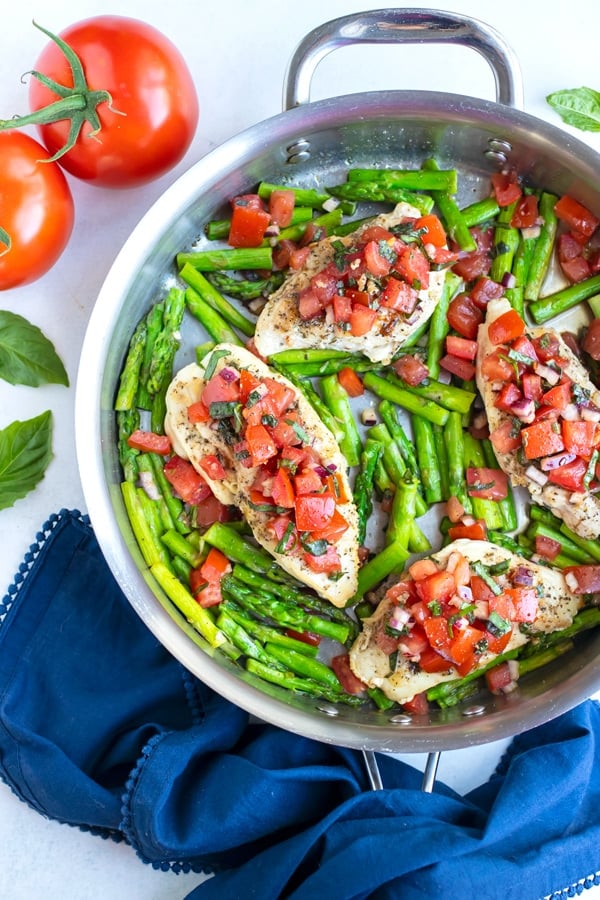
pixel 244 289
pixel 154 321
pixel 428 461
pixel 214 323
pixel 439 326
pixel 542 251
pixel 403 511
pixel 391 559
pixel 560 301
pixel 451 214
pixel 167 342
pixel 363 485
pixel 410 179
pixel 338 403
pixel 374 192
pixel 127 422
pixel 229 260
pixel 480 212
pixel 293 682
pixel 130 373
pixel 388 389
pixel 211 295
pixel 265 633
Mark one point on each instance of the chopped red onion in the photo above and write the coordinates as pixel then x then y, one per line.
pixel 272 230
pixel 149 485
pixel 524 410
pixel 228 374
pixel 548 463
pixel 330 204
pixel 570 412
pixel 590 414
pixel 532 232
pixel 321 471
pixel 546 372
pixel 399 618
pixel 523 576
pixel 508 280
pixel 331 467
pixel 465 592
pixel 534 474
pixel 572 582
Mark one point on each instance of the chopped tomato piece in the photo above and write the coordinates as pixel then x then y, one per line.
pixel 411 369
pixel 342 308
pixel 333 531
pixel 375 233
pixel 558 396
pixel 568 247
pixel 418 706
pixel 211 510
pixel 532 386
pixel 261 445
pixel 298 257
pixel 219 390
pixel 507 396
pixel 494 367
pixel 580 437
pixel 420 611
pixel 431 661
pixel 498 678
pixel 481 591
pixel 325 564
pixel 489 484
pixel 198 412
pixel 378 261
pixel 341 666
pixel 526 212
pixel 248 224
pixel 484 290
pixel 361 319
pixel 497 643
pixel 464 316
pixel 577 269
pixel 307 481
pixel 351 382
pixel 337 487
pixel 577 216
pixel 212 467
pixel 547 547
pixel 209 595
pixel 282 489
pixel 506 327
pixel 462 368
pixel 399 295
pixel 314 511
pixel 436 629
pixel 591 341
pixel 433 230
pixel 461 347
pixel 187 483
pixel 463 645
pixel 281 207
pixel 542 439
pixel 414 267
pixel 583 579
pixel 472 265
pixel 506 188
pixel 422 568
pixel 309 305
pixel 525 603
pixel 570 476
pixel 215 565
pixel 439 586
pixel 475 532
pixel 282 253
pixel 307 637
pixel 248 384
pixel 150 442
pixel 507 437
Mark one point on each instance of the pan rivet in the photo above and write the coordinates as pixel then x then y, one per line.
pixel 477 710
pixel 498 150
pixel 401 720
pixel 299 151
pixel 329 710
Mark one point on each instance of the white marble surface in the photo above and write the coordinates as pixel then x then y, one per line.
pixel 237 51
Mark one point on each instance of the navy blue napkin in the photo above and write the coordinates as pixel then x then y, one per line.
pixel 101 728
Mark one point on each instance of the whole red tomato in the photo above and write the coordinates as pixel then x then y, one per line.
pixel 36 210
pixel 153 116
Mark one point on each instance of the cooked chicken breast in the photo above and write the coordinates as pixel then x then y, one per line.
pixel 196 441
pixel 557 606
pixel 280 326
pixel 581 510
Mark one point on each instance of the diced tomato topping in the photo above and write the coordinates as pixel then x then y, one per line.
pixel 281 207
pixel 282 489
pixel 418 706
pixel 378 259
pixel 215 565
pixel 375 233
pixel 314 511
pixel 507 396
pixel 411 369
pixel 484 290
pixel 212 467
pixel 526 212
pixel 422 568
pixel 198 412
pixel 568 247
pixel 342 308
pixel 351 382
pixel 506 327
pixel 494 367
pixel 463 645
pixel 298 257
pixel 249 223
pixel 187 483
pixel 473 265
pixel 307 637
pixel 498 678
pixel 325 286
pixel 507 437
pixel 414 267
pixel 542 439
pixel 570 476
pixel 591 341
pixel 326 563
pixel 436 629
pixel 439 586
pixel 475 532
pixel 461 347
pixel 462 368
pixel 149 442
pixel 309 305
pixel 558 396
pixel 248 384
pixel 219 390
pixel 577 216
pixel 580 437
pixel 211 510
pixel 208 594
pixel 577 269
pixel 399 295
pixel 307 481
pixel 506 188
pixel 433 230
pixel 490 484
pixel 333 531
pixel 282 252
pixel 341 666
pixel 583 579
pixel 430 661
pixel 547 547
pixel 261 445
pixel 532 386
pixel 464 316
pixel 361 319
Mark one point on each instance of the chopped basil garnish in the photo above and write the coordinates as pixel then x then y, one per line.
pixel 283 544
pixel 211 365
pixel 298 431
pixel 496 625
pixel 269 420
pixel 483 572
pixel 315 548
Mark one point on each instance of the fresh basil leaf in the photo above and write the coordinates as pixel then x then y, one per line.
pixel 26 355
pixel 25 451
pixel 579 107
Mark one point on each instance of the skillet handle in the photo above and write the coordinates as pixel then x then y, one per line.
pixel 403 26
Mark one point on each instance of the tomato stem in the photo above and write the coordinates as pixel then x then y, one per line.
pixel 77 103
pixel 6 240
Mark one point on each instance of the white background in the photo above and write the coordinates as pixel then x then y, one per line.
pixel 237 51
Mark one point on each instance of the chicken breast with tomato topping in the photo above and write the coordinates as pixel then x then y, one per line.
pixel 261 447
pixel 455 612
pixel 543 413
pixel 365 293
